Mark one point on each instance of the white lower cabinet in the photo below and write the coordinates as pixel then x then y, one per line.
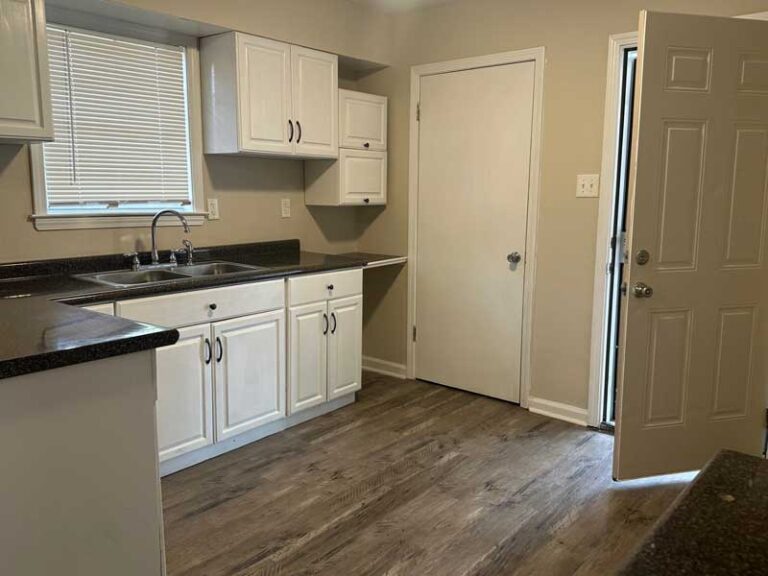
pixel 308 343
pixel 325 337
pixel 345 344
pixel 250 372
pixel 185 393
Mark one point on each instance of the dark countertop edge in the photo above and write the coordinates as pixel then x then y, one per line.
pixel 87 353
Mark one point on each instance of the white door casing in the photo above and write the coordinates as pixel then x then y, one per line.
pixel 475 141
pixel 691 380
pixel 345 346
pixel 185 393
pixel 308 327
pixel 249 360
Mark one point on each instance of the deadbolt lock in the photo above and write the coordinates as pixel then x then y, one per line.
pixel 642 257
pixel 642 290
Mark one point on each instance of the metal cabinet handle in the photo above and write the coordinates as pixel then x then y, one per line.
pixel 208 351
pixel 367 200
pixel 333 317
pixel 367 145
pixel 290 134
pixel 325 320
pixel 220 350
pixel 298 139
pixel 330 286
pixel 213 306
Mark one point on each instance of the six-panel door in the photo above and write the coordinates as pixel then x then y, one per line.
pixel 264 71
pixel 308 327
pixel 249 359
pixel 345 346
pixel 315 102
pixel 185 393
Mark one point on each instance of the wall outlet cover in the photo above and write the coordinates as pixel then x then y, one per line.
pixel 213 209
pixel 285 207
pixel 588 186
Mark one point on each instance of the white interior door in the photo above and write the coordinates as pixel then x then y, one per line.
pixel 250 372
pixel 345 346
pixel 474 160
pixel 690 375
pixel 185 393
pixel 264 82
pixel 315 102
pixel 308 327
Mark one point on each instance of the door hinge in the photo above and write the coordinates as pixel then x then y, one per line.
pixel 418 111
pixel 414 333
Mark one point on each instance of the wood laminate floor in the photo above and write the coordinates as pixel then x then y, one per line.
pixel 413 479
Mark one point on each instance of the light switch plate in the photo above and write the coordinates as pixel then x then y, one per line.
pixel 213 209
pixel 588 186
pixel 285 207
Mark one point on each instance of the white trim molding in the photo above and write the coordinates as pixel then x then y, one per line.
pixel 384 367
pixel 537 56
pixel 617 44
pixel 558 410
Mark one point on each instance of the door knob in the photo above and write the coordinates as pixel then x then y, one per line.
pixel 642 290
pixel 514 258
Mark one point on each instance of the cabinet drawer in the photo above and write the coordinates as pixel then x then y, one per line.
pixel 187 308
pixel 316 287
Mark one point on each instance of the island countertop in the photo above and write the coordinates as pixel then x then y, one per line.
pixel 718 526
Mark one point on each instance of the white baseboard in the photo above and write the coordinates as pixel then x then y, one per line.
pixel 384 367
pixel 558 410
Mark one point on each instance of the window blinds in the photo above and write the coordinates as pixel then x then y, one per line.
pixel 120 124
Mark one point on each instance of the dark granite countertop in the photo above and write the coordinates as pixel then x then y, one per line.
pixel 41 331
pixel 718 526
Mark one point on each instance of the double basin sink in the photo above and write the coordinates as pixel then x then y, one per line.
pixel 127 278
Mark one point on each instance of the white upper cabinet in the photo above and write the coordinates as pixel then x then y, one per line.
pixel 315 102
pixel 25 101
pixel 362 121
pixel 358 178
pixel 268 98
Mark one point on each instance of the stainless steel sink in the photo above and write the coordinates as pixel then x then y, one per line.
pixel 215 269
pixel 131 278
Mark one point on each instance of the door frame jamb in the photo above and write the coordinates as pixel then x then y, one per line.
pixel 617 44
pixel 536 55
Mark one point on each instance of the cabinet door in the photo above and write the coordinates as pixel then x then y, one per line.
pixel 185 393
pixel 363 177
pixel 345 346
pixel 264 79
pixel 25 101
pixel 315 102
pixel 307 372
pixel 362 121
pixel 250 372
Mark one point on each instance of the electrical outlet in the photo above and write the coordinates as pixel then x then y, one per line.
pixel 285 207
pixel 213 209
pixel 588 186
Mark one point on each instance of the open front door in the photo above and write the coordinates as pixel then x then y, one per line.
pixel 691 373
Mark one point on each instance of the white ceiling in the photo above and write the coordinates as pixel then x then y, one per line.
pixel 400 5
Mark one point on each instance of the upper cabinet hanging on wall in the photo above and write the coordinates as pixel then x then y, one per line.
pixel 267 98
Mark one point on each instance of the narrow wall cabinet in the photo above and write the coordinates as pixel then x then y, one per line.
pixel 25 99
pixel 362 121
pixel 325 333
pixel 268 98
pixel 359 177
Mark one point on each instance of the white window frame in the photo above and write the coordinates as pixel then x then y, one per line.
pixel 43 220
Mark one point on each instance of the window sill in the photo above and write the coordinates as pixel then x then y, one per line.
pixel 83 222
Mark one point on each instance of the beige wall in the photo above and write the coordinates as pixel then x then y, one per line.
pixel 575 35
pixel 249 189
